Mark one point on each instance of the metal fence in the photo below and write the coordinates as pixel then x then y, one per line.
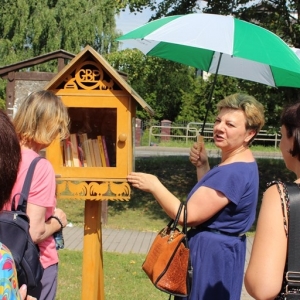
pixel 188 134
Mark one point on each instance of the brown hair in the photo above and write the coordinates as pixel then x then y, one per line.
pixel 254 110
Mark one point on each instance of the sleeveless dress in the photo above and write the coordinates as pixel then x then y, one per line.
pixel 218 246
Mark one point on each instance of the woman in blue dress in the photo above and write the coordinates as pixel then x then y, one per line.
pixel 222 205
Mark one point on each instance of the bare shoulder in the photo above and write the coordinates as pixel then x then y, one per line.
pixel 273 190
pixel 271 202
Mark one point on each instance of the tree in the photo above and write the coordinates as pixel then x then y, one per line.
pixel 161 8
pixel 30 28
pixel 160 82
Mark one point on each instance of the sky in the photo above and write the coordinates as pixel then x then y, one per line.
pixel 128 21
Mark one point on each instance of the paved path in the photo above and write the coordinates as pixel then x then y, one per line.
pixel 127 241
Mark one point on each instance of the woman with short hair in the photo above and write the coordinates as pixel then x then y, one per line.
pixel 222 205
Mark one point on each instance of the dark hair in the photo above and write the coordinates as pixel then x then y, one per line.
pixel 290 118
pixel 10 157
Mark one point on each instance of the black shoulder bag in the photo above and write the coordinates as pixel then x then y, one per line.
pixel 14 234
pixel 293 259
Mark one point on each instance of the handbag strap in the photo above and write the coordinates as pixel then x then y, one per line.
pixel 22 205
pixel 185 241
pixel 175 221
pixel 293 271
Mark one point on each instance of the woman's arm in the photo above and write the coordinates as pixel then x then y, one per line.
pixel 263 278
pixel 202 205
pixel 39 229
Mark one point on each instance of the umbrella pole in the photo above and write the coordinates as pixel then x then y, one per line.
pixel 208 105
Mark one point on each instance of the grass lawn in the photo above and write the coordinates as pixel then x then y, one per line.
pixel 124 278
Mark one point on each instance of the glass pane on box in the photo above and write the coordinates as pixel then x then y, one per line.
pixel 92 141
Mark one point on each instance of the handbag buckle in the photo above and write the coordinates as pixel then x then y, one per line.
pixel 293 280
pixel 165 232
pixel 172 235
pixel 293 277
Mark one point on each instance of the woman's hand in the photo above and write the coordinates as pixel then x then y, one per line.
pixel 62 216
pixel 198 156
pixel 143 181
pixel 23 293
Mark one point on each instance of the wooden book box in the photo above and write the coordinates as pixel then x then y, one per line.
pixel 93 164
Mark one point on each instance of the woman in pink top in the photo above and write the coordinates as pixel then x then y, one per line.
pixel 10 157
pixel 40 118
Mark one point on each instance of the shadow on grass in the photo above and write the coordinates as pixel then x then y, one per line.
pixel 175 172
pixel 179 176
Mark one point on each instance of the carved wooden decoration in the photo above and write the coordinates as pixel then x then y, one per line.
pixel 81 190
pixel 89 75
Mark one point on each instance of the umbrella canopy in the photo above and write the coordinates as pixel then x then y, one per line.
pixel 220 45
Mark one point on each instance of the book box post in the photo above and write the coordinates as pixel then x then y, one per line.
pixel 93 163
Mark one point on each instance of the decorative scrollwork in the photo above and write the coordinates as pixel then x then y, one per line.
pixel 89 75
pixel 99 191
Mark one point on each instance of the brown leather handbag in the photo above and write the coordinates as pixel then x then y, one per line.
pixel 168 262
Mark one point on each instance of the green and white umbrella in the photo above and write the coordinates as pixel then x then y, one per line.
pixel 248 51
pixel 220 45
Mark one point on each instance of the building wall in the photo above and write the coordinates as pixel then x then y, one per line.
pixel 25 87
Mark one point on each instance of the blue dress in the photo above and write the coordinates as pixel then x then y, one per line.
pixel 218 260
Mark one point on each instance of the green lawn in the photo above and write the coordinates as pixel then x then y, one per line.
pixel 123 277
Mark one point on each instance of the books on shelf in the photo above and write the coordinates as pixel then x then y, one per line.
pixel 85 148
pixel 91 153
pixel 101 148
pixel 80 151
pixel 105 150
pixel 96 153
pixel 68 153
pixel 75 150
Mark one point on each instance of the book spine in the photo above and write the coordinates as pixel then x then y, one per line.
pixel 101 149
pixel 97 153
pixel 68 153
pixel 81 153
pixel 74 148
pixel 91 150
pixel 105 151
pixel 86 149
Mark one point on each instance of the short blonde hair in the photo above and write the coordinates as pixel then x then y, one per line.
pixel 254 110
pixel 41 117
